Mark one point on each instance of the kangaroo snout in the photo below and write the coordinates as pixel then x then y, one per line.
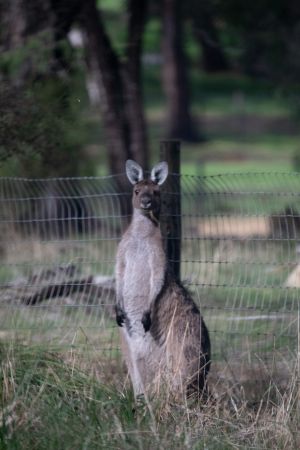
pixel 146 203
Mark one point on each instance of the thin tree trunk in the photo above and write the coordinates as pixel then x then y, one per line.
pixel 13 24
pixel 119 84
pixel 120 89
pixel 179 121
pixel 107 70
pixel 213 57
pixel 132 81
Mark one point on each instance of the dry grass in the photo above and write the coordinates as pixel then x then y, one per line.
pixel 76 399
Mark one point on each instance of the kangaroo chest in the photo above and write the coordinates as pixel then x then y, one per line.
pixel 144 274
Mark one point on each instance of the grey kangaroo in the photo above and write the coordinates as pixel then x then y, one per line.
pixel 163 336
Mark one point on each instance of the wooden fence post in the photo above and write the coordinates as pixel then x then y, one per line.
pixel 171 204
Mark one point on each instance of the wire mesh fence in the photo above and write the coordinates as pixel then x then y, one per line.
pixel 239 256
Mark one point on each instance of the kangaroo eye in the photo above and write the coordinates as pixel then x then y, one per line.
pixel 136 192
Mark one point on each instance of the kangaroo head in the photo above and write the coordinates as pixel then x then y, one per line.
pixel 146 192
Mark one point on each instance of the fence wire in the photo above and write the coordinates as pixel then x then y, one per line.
pixel 240 255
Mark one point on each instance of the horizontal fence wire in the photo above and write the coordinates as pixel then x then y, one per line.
pixel 240 255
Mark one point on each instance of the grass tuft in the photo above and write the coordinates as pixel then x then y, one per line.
pixel 50 400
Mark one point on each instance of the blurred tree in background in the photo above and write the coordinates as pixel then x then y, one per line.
pixel 179 121
pixel 268 36
pixel 40 128
pixel 119 82
pixel 45 110
pixel 203 16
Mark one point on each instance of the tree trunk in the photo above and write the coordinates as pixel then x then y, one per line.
pixel 107 70
pixel 132 81
pixel 119 85
pixel 179 121
pixel 120 89
pixel 213 57
pixel 12 24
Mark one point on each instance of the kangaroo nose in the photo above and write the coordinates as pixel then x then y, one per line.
pixel 146 204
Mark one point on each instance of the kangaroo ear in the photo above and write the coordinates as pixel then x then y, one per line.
pixel 134 171
pixel 159 173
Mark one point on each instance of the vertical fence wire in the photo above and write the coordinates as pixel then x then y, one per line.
pixel 239 257
pixel 241 247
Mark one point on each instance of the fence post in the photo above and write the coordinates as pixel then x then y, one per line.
pixel 171 204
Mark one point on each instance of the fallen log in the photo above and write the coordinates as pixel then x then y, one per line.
pixel 55 290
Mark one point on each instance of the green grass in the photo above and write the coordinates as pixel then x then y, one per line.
pixel 220 94
pixel 230 94
pixel 57 406
pixel 65 401
pixel 229 167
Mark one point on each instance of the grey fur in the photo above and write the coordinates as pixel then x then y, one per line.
pixel 159 173
pixel 134 171
pixel 163 336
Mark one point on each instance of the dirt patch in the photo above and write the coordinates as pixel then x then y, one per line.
pixel 240 227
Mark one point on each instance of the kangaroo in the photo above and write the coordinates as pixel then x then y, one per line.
pixel 163 336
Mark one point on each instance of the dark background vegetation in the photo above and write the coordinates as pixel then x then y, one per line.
pixel 87 84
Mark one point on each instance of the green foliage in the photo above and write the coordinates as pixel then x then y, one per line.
pixel 111 5
pixel 41 130
pixel 42 123
pixel 33 57
pixel 152 36
pixel 115 21
pixel 260 40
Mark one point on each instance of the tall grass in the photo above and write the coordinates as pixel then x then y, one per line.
pixel 71 401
